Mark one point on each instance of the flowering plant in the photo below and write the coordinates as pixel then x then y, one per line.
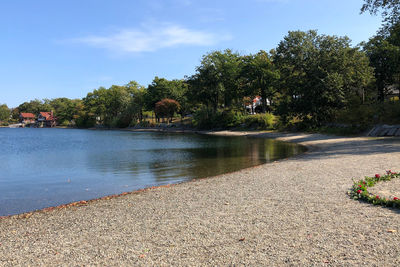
pixel 359 190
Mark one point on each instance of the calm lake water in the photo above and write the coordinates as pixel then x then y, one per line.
pixel 47 167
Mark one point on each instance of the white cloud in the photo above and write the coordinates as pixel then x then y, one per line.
pixel 151 39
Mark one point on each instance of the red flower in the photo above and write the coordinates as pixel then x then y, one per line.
pixel 395 198
pixel 364 183
pixel 377 197
pixel 359 186
pixel 359 191
pixel 377 176
pixel 389 171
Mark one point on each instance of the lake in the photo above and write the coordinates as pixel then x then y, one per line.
pixel 48 167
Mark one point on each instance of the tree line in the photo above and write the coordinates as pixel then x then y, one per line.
pixel 309 77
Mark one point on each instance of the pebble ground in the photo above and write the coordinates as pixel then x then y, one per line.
pixel 293 212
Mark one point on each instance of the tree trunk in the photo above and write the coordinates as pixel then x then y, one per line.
pixel 264 100
pixel 215 103
pixel 381 93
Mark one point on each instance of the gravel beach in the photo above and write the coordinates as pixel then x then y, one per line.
pixel 291 212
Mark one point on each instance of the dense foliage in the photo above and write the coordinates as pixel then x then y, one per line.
pixel 259 76
pixel 166 108
pixel 215 83
pixel 320 74
pixel 4 113
pixel 383 51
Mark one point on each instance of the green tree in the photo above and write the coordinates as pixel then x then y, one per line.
pixel 35 106
pixel 15 114
pixel 215 83
pixel 95 104
pixel 65 109
pixel 162 88
pixel 260 77
pixel 204 89
pixel 385 59
pixel 319 73
pixel 81 118
pixel 107 104
pixel 4 113
pixel 117 101
pixel 134 110
pixel 390 10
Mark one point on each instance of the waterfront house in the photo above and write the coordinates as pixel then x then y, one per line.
pixel 46 119
pixel 26 118
pixel 256 105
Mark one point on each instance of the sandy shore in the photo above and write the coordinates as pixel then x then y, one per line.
pixel 291 212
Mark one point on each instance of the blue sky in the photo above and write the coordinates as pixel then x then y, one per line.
pixel 66 48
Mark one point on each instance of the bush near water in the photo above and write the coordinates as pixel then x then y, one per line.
pixel 208 119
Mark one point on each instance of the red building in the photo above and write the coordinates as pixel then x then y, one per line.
pixel 26 118
pixel 46 119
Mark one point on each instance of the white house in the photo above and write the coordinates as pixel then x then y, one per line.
pixel 252 108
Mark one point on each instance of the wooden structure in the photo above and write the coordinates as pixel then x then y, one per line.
pixel 385 130
pixel 27 118
pixel 46 119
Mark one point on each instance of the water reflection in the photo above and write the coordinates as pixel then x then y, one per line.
pixel 46 167
pixel 211 156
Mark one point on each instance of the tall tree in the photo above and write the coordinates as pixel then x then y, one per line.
pixel 35 106
pixel 390 10
pixel 15 114
pixel 216 83
pixel 4 113
pixel 319 72
pixel 65 109
pixel 95 104
pixel 259 76
pixel 107 104
pixel 134 111
pixel 162 88
pixel 204 88
pixel 385 59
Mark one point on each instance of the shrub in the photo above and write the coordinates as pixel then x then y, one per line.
pixel 85 122
pixel 265 121
pixel 391 112
pixel 205 118
pixel 361 116
pixel 364 116
pixel 122 121
pixel 231 118
pixel 65 123
pixel 145 124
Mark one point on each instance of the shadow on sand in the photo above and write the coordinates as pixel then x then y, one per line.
pixel 323 146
